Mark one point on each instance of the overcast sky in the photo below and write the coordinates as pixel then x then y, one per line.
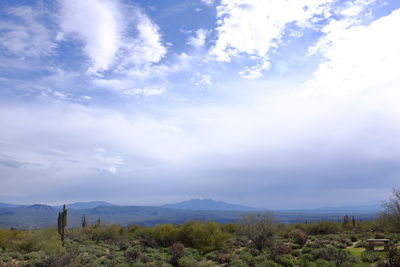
pixel 267 103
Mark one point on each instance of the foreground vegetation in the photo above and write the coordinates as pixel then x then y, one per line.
pixel 254 241
pixel 257 240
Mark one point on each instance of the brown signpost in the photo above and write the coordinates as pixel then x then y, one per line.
pixel 371 243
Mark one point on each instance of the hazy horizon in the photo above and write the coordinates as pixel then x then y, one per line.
pixel 357 207
pixel 269 104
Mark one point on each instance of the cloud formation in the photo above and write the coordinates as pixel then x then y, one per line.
pixel 104 26
pixel 25 35
pixel 357 57
pixel 254 28
pixel 259 100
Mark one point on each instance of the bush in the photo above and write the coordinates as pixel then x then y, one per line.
pixel 260 229
pixel 369 256
pixel 106 233
pixel 324 263
pixel 266 263
pixel 319 243
pixel 390 217
pixel 205 237
pixel 132 254
pixel 280 249
pixel 299 237
pixel 165 234
pixel 45 239
pixel 393 256
pixel 176 251
pixel 331 254
pixel 286 260
pixel 322 228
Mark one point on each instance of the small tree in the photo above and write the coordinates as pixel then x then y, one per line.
pixel 62 222
pixel 391 213
pixel 261 229
pixel 393 256
pixel 299 236
pixel 177 252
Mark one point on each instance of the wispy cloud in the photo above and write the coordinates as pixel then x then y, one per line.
pixel 25 35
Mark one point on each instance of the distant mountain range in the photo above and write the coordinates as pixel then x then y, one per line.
pixel 207 204
pixel 6 205
pixel 89 205
pixel 39 215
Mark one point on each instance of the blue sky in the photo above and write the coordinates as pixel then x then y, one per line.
pixel 273 104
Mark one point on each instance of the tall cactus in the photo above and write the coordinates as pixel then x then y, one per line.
pixel 62 222
pixel 83 221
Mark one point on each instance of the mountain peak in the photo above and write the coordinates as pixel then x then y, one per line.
pixel 207 204
pixel 40 207
pixel 89 205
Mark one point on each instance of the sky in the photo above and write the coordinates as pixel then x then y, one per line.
pixel 277 104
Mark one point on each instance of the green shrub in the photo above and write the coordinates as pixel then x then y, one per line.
pixel 331 254
pixel 299 237
pixel 176 251
pixel 106 233
pixel 132 254
pixel 324 263
pixel 267 263
pixel 45 239
pixel 323 228
pixel 318 243
pixel 205 237
pixel 286 260
pixel 370 256
pixel 280 249
pixel 165 234
pixel 307 263
pixel 261 229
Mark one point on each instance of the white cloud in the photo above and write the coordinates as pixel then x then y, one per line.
pixel 253 27
pixel 254 72
pixel 107 163
pixel 146 91
pixel 208 2
pixel 146 48
pixel 351 9
pixel 200 79
pixel 199 40
pixel 357 58
pixel 131 86
pixel 105 27
pixel 26 36
pixel 96 24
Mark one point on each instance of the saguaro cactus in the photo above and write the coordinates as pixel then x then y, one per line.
pixel 83 221
pixel 62 222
